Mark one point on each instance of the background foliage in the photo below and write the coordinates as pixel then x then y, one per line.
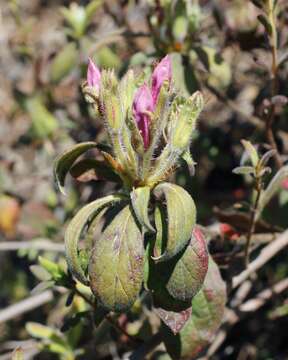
pixel 222 48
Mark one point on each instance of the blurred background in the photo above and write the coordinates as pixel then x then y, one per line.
pixel 217 46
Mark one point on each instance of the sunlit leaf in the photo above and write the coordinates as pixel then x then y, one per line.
pixel 140 201
pixel 273 187
pixel 180 278
pixel 65 161
pixel 244 170
pixel 75 228
pixel 251 151
pixel 207 313
pixel 117 263
pixel 181 218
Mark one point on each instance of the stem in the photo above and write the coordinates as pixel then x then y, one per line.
pixel 146 348
pixel 115 324
pixel 258 188
pixel 274 84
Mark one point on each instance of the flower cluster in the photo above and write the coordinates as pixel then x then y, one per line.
pixel 143 120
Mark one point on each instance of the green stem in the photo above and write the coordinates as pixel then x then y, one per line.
pixel 271 9
pixel 258 188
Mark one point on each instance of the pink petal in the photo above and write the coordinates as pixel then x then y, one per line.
pixel 143 103
pixel 162 72
pixel 285 184
pixel 93 75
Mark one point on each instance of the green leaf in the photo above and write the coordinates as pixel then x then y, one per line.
pixel 175 282
pixel 181 218
pixel 244 170
pixel 65 161
pixel 180 28
pixel 190 270
pixel 40 331
pixel 207 313
pixel 140 198
pixel 54 340
pixel 91 8
pixel 272 189
pixel 44 124
pixel 266 157
pixel 251 151
pixel 75 229
pixel 64 62
pixel 184 121
pixel 90 169
pixel 51 267
pixel 40 273
pixel 117 263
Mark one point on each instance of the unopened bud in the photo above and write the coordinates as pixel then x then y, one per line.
pixel 185 120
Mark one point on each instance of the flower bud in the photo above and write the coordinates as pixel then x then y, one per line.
pixel 93 76
pixel 185 120
pixel 161 73
pixel 110 101
pixel 142 105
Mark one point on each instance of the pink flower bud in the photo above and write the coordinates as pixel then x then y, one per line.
pixel 285 184
pixel 142 104
pixel 162 72
pixel 93 75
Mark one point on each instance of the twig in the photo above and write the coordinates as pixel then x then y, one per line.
pixel 26 305
pixel 265 295
pixel 265 255
pixel 231 317
pixel 258 188
pixel 234 107
pixel 30 349
pixel 39 244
